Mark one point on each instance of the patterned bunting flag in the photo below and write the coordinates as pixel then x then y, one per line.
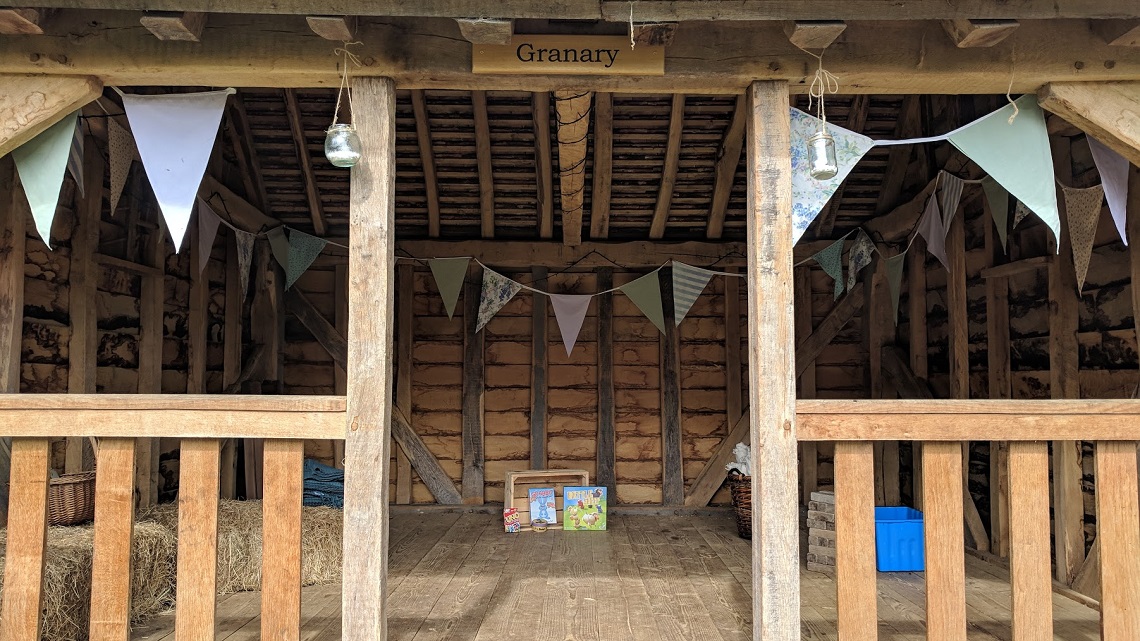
pixel 645 292
pixel 1019 213
pixel 1113 170
pixel 279 246
pixel 498 290
pixel 894 281
pixel 830 259
pixel 860 257
pixel 1015 152
pixel 208 223
pixel 949 196
pixel 808 194
pixel 934 232
pixel 998 200
pixel 75 160
pixel 121 147
pixel 244 241
pixel 688 283
pixel 42 164
pixel 570 311
pixel 449 274
pixel 1082 208
pixel 303 250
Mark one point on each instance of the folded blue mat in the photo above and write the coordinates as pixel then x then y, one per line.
pixel 316 471
pixel 319 499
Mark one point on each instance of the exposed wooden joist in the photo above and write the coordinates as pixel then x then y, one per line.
pixel 856 121
pixel 603 164
pixel 540 104
pixel 31 104
pixel 810 348
pixel 979 33
pixel 22 22
pixel 483 158
pixel 305 161
pixel 1107 111
pixel 813 34
pixel 514 254
pixel 246 152
pixel 427 160
pixel 336 28
pixel 573 110
pixel 487 31
pixel 1118 33
pixel 185 26
pixel 727 161
pixel 669 170
pixel 656 34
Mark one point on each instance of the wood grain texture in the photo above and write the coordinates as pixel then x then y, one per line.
pixel 340 376
pixel 13 238
pixel 426 465
pixel 114 524
pixel 184 26
pixel 31 104
pixel 813 34
pixel 672 481
pixel 335 28
pixel 1117 515
pixel 978 33
pixel 1030 577
pixel 669 171
pixel 483 161
pixel 772 393
pixel 999 384
pixel 1104 110
pixel 916 304
pixel 15 22
pixel 405 341
pixel 606 407
pixel 811 347
pixel 26 542
pixel 540 105
pixel 371 276
pixel 473 388
pixel 809 454
pixel 573 112
pixel 727 162
pixel 539 344
pixel 713 473
pixel 945 539
pixel 197 319
pixel 854 536
pixel 281 546
pixel 199 466
pixel 603 164
pixel 427 161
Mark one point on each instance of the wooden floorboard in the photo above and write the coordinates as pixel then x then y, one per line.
pixel 458 577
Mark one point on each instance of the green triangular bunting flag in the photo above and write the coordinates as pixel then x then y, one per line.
pixel 831 260
pixel 688 283
pixel 303 250
pixel 449 274
pixel 894 280
pixel 42 163
pixel 998 200
pixel 645 292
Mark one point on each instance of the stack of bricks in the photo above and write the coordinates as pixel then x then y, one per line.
pixel 821 532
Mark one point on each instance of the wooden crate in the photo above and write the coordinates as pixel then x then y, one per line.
pixel 517 482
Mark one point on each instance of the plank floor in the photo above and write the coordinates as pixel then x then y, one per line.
pixel 458 577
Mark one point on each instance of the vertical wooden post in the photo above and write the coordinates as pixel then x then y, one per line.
pixel 1032 585
pixel 538 369
pixel 197 320
pixel 27 541
pixel 606 435
pixel 406 333
pixel 369 413
pixel 998 363
pixel 340 377
pixel 13 221
pixel 945 564
pixel 855 578
pixel 114 524
pixel 673 481
pixel 197 538
pixel 281 539
pixel 771 367
pixel 150 355
pixel 809 450
pixel 916 313
pixel 473 388
pixel 1118 513
pixel 231 361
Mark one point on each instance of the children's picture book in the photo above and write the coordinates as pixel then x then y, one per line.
pixel 584 508
pixel 542 506
pixel 512 520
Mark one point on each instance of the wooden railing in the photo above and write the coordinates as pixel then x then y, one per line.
pixel 941 425
pixel 201 422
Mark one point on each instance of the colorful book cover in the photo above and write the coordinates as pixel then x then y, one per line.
pixel 512 520
pixel 542 505
pixel 584 508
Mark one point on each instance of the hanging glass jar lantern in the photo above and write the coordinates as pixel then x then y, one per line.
pixel 822 164
pixel 342 145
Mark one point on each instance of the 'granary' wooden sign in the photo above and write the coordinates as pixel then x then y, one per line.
pixel 578 55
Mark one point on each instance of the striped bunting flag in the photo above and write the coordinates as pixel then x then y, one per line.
pixel 75 160
pixel 949 196
pixel 688 283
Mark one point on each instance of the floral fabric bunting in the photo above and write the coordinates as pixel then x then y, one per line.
pixel 808 194
pixel 861 254
pixel 497 291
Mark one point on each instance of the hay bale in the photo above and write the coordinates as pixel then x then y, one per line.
pixel 239 543
pixel 67 577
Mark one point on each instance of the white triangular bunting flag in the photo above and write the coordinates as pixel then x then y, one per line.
pixel 688 283
pixel 1113 170
pixel 121 147
pixel 497 291
pixel 449 274
pixel 208 223
pixel 570 311
pixel 42 164
pixel 808 194
pixel 244 242
pixel 175 135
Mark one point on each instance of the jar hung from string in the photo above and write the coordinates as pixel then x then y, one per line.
pixel 822 162
pixel 342 144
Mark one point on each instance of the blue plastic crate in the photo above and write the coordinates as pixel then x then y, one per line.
pixel 899 540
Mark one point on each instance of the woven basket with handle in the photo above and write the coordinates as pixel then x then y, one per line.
pixel 740 487
pixel 71 499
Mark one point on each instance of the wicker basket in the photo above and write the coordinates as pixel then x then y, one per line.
pixel 740 487
pixel 71 499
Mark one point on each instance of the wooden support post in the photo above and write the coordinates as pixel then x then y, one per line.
pixel 13 222
pixel 945 538
pixel 538 369
pixel 151 298
pixel 1028 540
pixel 473 388
pixel 809 450
pixel 998 363
pixel 231 362
pixel 371 273
pixel 281 543
pixel 606 434
pixel 197 320
pixel 405 340
pixel 771 389
pixel 1118 512
pixel 199 466
pixel 916 312
pixel 855 577
pixel 340 375
pixel 26 543
pixel 672 481
pixel 1064 382
pixel 114 526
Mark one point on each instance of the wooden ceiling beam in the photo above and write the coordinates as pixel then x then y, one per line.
pixel 23 22
pixel 179 26
pixel 1105 110
pixel 540 106
pixel 856 121
pixel 300 140
pixel 336 28
pixel 968 33
pixel 573 109
pixel 1118 33
pixel 669 170
pixel 483 159
pixel 814 34
pixel 603 165
pixel 487 31
pixel 31 104
pixel 427 159
pixel 656 34
pixel 246 153
pixel 727 161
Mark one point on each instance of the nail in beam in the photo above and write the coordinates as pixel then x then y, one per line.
pixel 771 371
pixel 371 279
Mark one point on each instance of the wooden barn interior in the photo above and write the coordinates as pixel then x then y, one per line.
pixel 578 192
